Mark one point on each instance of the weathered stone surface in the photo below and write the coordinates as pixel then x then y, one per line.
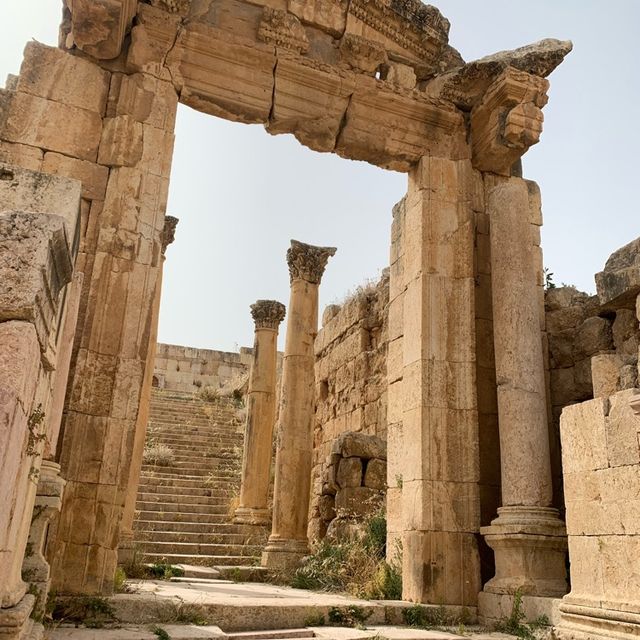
pixel 349 473
pixel 282 29
pixel 49 72
pixel 357 501
pixel 121 143
pixel 618 284
pixel 327 508
pixel 605 373
pixel 362 54
pixel 92 176
pixel 360 445
pixel 375 476
pixel 593 336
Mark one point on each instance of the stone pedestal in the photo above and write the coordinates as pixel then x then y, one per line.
pixel 288 541
pixel 528 537
pixel 261 415
pixel 35 568
pixel 126 548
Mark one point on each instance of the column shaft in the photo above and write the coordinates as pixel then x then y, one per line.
pixel 261 415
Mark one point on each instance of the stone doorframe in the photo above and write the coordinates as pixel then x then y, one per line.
pixel 369 80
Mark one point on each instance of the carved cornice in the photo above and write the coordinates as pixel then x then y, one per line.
pixel 508 120
pixel 267 314
pixel 282 29
pixel 307 262
pixel 169 232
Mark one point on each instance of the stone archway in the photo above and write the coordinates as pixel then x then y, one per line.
pixel 373 81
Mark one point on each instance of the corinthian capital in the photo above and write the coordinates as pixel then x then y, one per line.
pixel 307 262
pixel 267 314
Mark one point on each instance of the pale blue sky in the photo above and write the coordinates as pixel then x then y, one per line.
pixel 241 194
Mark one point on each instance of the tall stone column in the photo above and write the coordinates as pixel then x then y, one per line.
pixel 528 537
pixel 261 414
pixel 288 541
pixel 125 543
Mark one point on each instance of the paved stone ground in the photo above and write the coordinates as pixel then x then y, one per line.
pixel 251 611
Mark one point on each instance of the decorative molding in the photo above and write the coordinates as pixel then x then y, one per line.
pixel 169 232
pixel 307 262
pixel 282 29
pixel 267 314
pixel 508 120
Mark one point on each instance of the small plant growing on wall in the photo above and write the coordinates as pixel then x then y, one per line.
pixel 35 425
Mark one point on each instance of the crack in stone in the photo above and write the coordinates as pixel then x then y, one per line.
pixel 343 122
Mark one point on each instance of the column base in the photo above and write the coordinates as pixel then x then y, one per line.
pixel 126 548
pixel 530 546
pixel 584 620
pixel 281 553
pixel 494 608
pixel 251 515
pixel 16 623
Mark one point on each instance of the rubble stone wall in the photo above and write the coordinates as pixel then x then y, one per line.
pixel 351 380
pixel 189 369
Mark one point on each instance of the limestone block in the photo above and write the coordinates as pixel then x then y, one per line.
pixel 605 373
pixel 583 434
pixel 583 380
pixel 25 190
pixel 310 103
pixel 401 75
pixel 357 501
pixel 326 14
pixel 53 126
pixel 92 176
pixel 54 74
pixel 362 54
pixel 327 508
pixel 98 27
pixel 349 473
pixel 360 445
pixel 618 285
pixel 36 265
pixel 121 144
pixel 21 155
pixel 393 130
pixel 375 476
pixel 282 29
pixel 157 151
pixel 593 335
pixel 561 348
pixel 218 76
pixel 622 429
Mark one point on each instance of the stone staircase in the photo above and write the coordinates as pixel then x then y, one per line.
pixel 183 509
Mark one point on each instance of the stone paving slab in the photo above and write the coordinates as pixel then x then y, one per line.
pixel 244 606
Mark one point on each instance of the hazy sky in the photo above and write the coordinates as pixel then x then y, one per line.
pixel 241 194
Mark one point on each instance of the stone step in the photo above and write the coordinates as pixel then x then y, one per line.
pixel 235 539
pixel 181 470
pixel 197 549
pixel 172 507
pixel 178 517
pixel 173 473
pixel 167 498
pixel 223 486
pixel 276 634
pixel 204 491
pixel 207 560
pixel 246 531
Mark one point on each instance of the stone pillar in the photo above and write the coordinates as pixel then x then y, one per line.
pixel 261 415
pixel 288 541
pixel 528 537
pixel 436 450
pixel 35 568
pixel 125 543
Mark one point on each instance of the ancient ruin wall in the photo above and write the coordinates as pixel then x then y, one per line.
pixel 189 369
pixel 351 382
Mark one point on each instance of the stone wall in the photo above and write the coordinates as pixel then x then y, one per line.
pixel 189 369
pixel 351 380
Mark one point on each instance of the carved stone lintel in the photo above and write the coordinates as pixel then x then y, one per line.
pixel 307 262
pixel 508 120
pixel 267 314
pixel 362 54
pixel 169 232
pixel 283 29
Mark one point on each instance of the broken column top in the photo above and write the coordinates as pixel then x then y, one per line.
pixel 308 262
pixel 267 314
pixel 618 284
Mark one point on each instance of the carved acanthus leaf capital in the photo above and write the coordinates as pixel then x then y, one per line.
pixel 267 314
pixel 168 232
pixel 307 262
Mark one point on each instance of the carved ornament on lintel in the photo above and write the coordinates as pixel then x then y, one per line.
pixel 267 314
pixel 282 29
pixel 308 262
